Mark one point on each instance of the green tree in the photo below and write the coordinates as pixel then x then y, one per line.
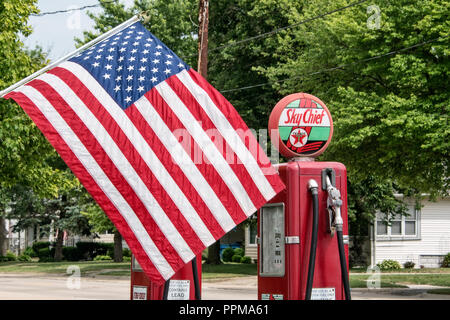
pixel 26 158
pixel 390 113
pixel 63 212
pixel 100 223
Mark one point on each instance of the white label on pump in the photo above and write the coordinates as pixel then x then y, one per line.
pixel 178 290
pixel 323 294
pixel 139 293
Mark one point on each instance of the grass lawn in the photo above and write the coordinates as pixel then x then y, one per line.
pixel 437 277
pixel 108 268
pixel 228 269
pixel 404 270
pixel 395 280
pixel 86 267
pixel 439 291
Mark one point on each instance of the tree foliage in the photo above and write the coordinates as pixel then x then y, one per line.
pixel 26 157
pixel 382 70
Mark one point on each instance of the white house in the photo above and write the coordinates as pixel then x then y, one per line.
pixel 423 237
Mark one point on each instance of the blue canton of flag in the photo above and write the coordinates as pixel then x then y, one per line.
pixel 130 63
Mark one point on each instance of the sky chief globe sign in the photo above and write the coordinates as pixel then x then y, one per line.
pixel 300 125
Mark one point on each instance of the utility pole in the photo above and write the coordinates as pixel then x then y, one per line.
pixel 202 69
pixel 203 20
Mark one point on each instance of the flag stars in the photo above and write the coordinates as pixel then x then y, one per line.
pixel 130 64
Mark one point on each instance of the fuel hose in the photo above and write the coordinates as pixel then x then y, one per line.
pixel 314 189
pixel 343 260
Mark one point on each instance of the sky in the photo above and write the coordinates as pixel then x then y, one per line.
pixel 56 33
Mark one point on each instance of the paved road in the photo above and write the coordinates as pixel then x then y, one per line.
pixel 45 287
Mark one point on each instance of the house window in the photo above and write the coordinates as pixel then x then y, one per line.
pixel 252 233
pixel 401 227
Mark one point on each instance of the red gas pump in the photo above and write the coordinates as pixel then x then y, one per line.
pixel 302 232
pixel 183 285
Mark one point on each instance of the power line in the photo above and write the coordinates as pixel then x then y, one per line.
pixel 340 66
pixel 277 30
pixel 70 10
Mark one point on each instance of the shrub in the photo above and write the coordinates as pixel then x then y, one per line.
pixel 71 254
pixel 409 265
pixel 30 252
pixel 236 258
pixel 102 258
pixel 246 260
pixel 45 255
pixel 10 256
pixel 126 259
pixel 227 254
pixel 89 250
pixel 40 245
pixel 389 265
pixel 24 258
pixel 239 252
pixel 446 261
pixel 126 252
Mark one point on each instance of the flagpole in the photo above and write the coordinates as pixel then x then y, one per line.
pixel 102 37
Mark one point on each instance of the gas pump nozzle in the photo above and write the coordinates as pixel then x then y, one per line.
pixel 334 204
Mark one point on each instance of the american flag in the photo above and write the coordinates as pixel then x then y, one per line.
pixel 162 152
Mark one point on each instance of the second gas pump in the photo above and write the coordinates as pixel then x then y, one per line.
pixel 303 231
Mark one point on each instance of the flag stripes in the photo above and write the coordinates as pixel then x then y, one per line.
pixel 166 203
pixel 80 160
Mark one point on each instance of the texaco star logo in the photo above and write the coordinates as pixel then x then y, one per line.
pixel 298 137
